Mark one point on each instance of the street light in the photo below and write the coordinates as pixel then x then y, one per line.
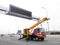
pixel 46 16
pixel 46 11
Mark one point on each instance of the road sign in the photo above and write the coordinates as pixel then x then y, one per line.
pixel 19 12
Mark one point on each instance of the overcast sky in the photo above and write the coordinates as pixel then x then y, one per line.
pixel 10 24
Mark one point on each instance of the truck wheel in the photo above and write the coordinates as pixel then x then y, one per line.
pixel 31 38
pixel 42 39
pixel 38 39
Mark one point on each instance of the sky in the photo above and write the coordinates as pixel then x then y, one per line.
pixel 10 24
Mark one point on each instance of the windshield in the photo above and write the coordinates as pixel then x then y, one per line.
pixel 42 30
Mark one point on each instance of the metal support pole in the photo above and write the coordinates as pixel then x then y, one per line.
pixel 47 17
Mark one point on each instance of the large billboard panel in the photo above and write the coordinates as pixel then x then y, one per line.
pixel 19 12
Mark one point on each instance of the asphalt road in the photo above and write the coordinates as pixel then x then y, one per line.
pixel 50 40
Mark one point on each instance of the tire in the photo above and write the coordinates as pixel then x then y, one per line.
pixel 38 39
pixel 42 39
pixel 31 38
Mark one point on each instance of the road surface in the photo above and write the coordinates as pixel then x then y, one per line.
pixel 50 40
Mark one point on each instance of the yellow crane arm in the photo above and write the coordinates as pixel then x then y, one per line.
pixel 39 22
pixel 26 30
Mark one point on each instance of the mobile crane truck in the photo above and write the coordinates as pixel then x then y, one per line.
pixel 38 33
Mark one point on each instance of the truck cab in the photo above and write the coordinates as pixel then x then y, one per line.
pixel 39 33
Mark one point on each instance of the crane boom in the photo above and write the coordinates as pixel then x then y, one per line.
pixel 26 30
pixel 27 34
pixel 39 22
